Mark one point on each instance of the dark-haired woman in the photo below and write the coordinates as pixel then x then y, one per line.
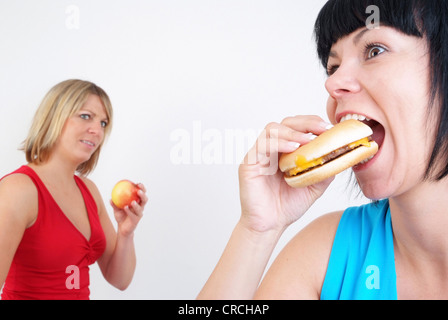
pixel 395 78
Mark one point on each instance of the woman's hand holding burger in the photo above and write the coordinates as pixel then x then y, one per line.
pixel 272 199
pixel 267 201
pixel 268 206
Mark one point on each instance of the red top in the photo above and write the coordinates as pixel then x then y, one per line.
pixel 53 258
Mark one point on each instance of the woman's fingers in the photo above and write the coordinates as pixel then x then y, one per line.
pixel 142 194
pixel 134 210
pixel 284 137
pixel 307 124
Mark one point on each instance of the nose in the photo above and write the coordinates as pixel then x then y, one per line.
pixel 343 82
pixel 341 85
pixel 95 128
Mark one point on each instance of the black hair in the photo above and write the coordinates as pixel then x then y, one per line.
pixel 421 18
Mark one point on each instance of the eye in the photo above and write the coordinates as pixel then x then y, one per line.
pixel 372 50
pixel 85 116
pixel 332 69
pixel 104 124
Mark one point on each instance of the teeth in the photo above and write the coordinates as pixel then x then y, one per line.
pixel 88 142
pixel 359 118
pixel 354 116
pixel 367 160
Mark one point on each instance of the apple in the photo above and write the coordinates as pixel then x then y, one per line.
pixel 124 192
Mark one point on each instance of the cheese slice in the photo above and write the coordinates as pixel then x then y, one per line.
pixel 302 164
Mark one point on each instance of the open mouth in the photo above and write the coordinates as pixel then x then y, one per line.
pixel 89 143
pixel 378 130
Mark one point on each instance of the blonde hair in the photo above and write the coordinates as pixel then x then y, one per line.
pixel 59 104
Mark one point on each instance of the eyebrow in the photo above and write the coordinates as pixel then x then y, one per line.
pixel 356 40
pixel 358 37
pixel 106 118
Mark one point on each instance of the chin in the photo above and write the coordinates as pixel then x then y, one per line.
pixel 81 160
pixel 374 196
pixel 374 189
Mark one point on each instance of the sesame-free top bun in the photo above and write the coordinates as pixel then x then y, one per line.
pixel 337 137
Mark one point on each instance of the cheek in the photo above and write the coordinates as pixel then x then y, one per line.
pixel 331 109
pixel 65 133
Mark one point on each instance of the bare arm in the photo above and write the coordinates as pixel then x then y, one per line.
pixel 268 206
pixel 119 260
pixel 239 271
pixel 299 270
pixel 18 211
pixel 297 273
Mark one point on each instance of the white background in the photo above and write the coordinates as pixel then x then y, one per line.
pixel 202 67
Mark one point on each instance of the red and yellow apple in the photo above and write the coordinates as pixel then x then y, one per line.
pixel 124 192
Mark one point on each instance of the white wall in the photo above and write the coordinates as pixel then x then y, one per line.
pixel 214 70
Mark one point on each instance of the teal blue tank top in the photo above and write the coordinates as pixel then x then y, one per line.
pixel 362 265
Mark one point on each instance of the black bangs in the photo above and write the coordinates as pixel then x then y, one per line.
pixel 428 18
pixel 339 18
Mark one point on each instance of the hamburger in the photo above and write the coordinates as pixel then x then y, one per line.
pixel 343 146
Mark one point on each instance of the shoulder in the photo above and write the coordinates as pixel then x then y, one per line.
pixel 19 198
pixel 93 189
pixel 299 270
pixel 17 186
pixel 314 244
pixel 316 239
pixel 13 179
pixel 90 185
pixel 326 225
pixel 95 192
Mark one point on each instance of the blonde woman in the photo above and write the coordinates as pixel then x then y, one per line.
pixel 53 221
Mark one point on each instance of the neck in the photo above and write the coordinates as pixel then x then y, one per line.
pixel 420 221
pixel 56 169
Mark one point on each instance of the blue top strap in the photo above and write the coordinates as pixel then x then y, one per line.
pixel 362 265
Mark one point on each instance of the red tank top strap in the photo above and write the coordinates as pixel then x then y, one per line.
pixel 27 171
pixel 37 182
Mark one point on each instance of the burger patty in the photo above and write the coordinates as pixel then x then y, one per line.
pixel 336 153
pixel 331 156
